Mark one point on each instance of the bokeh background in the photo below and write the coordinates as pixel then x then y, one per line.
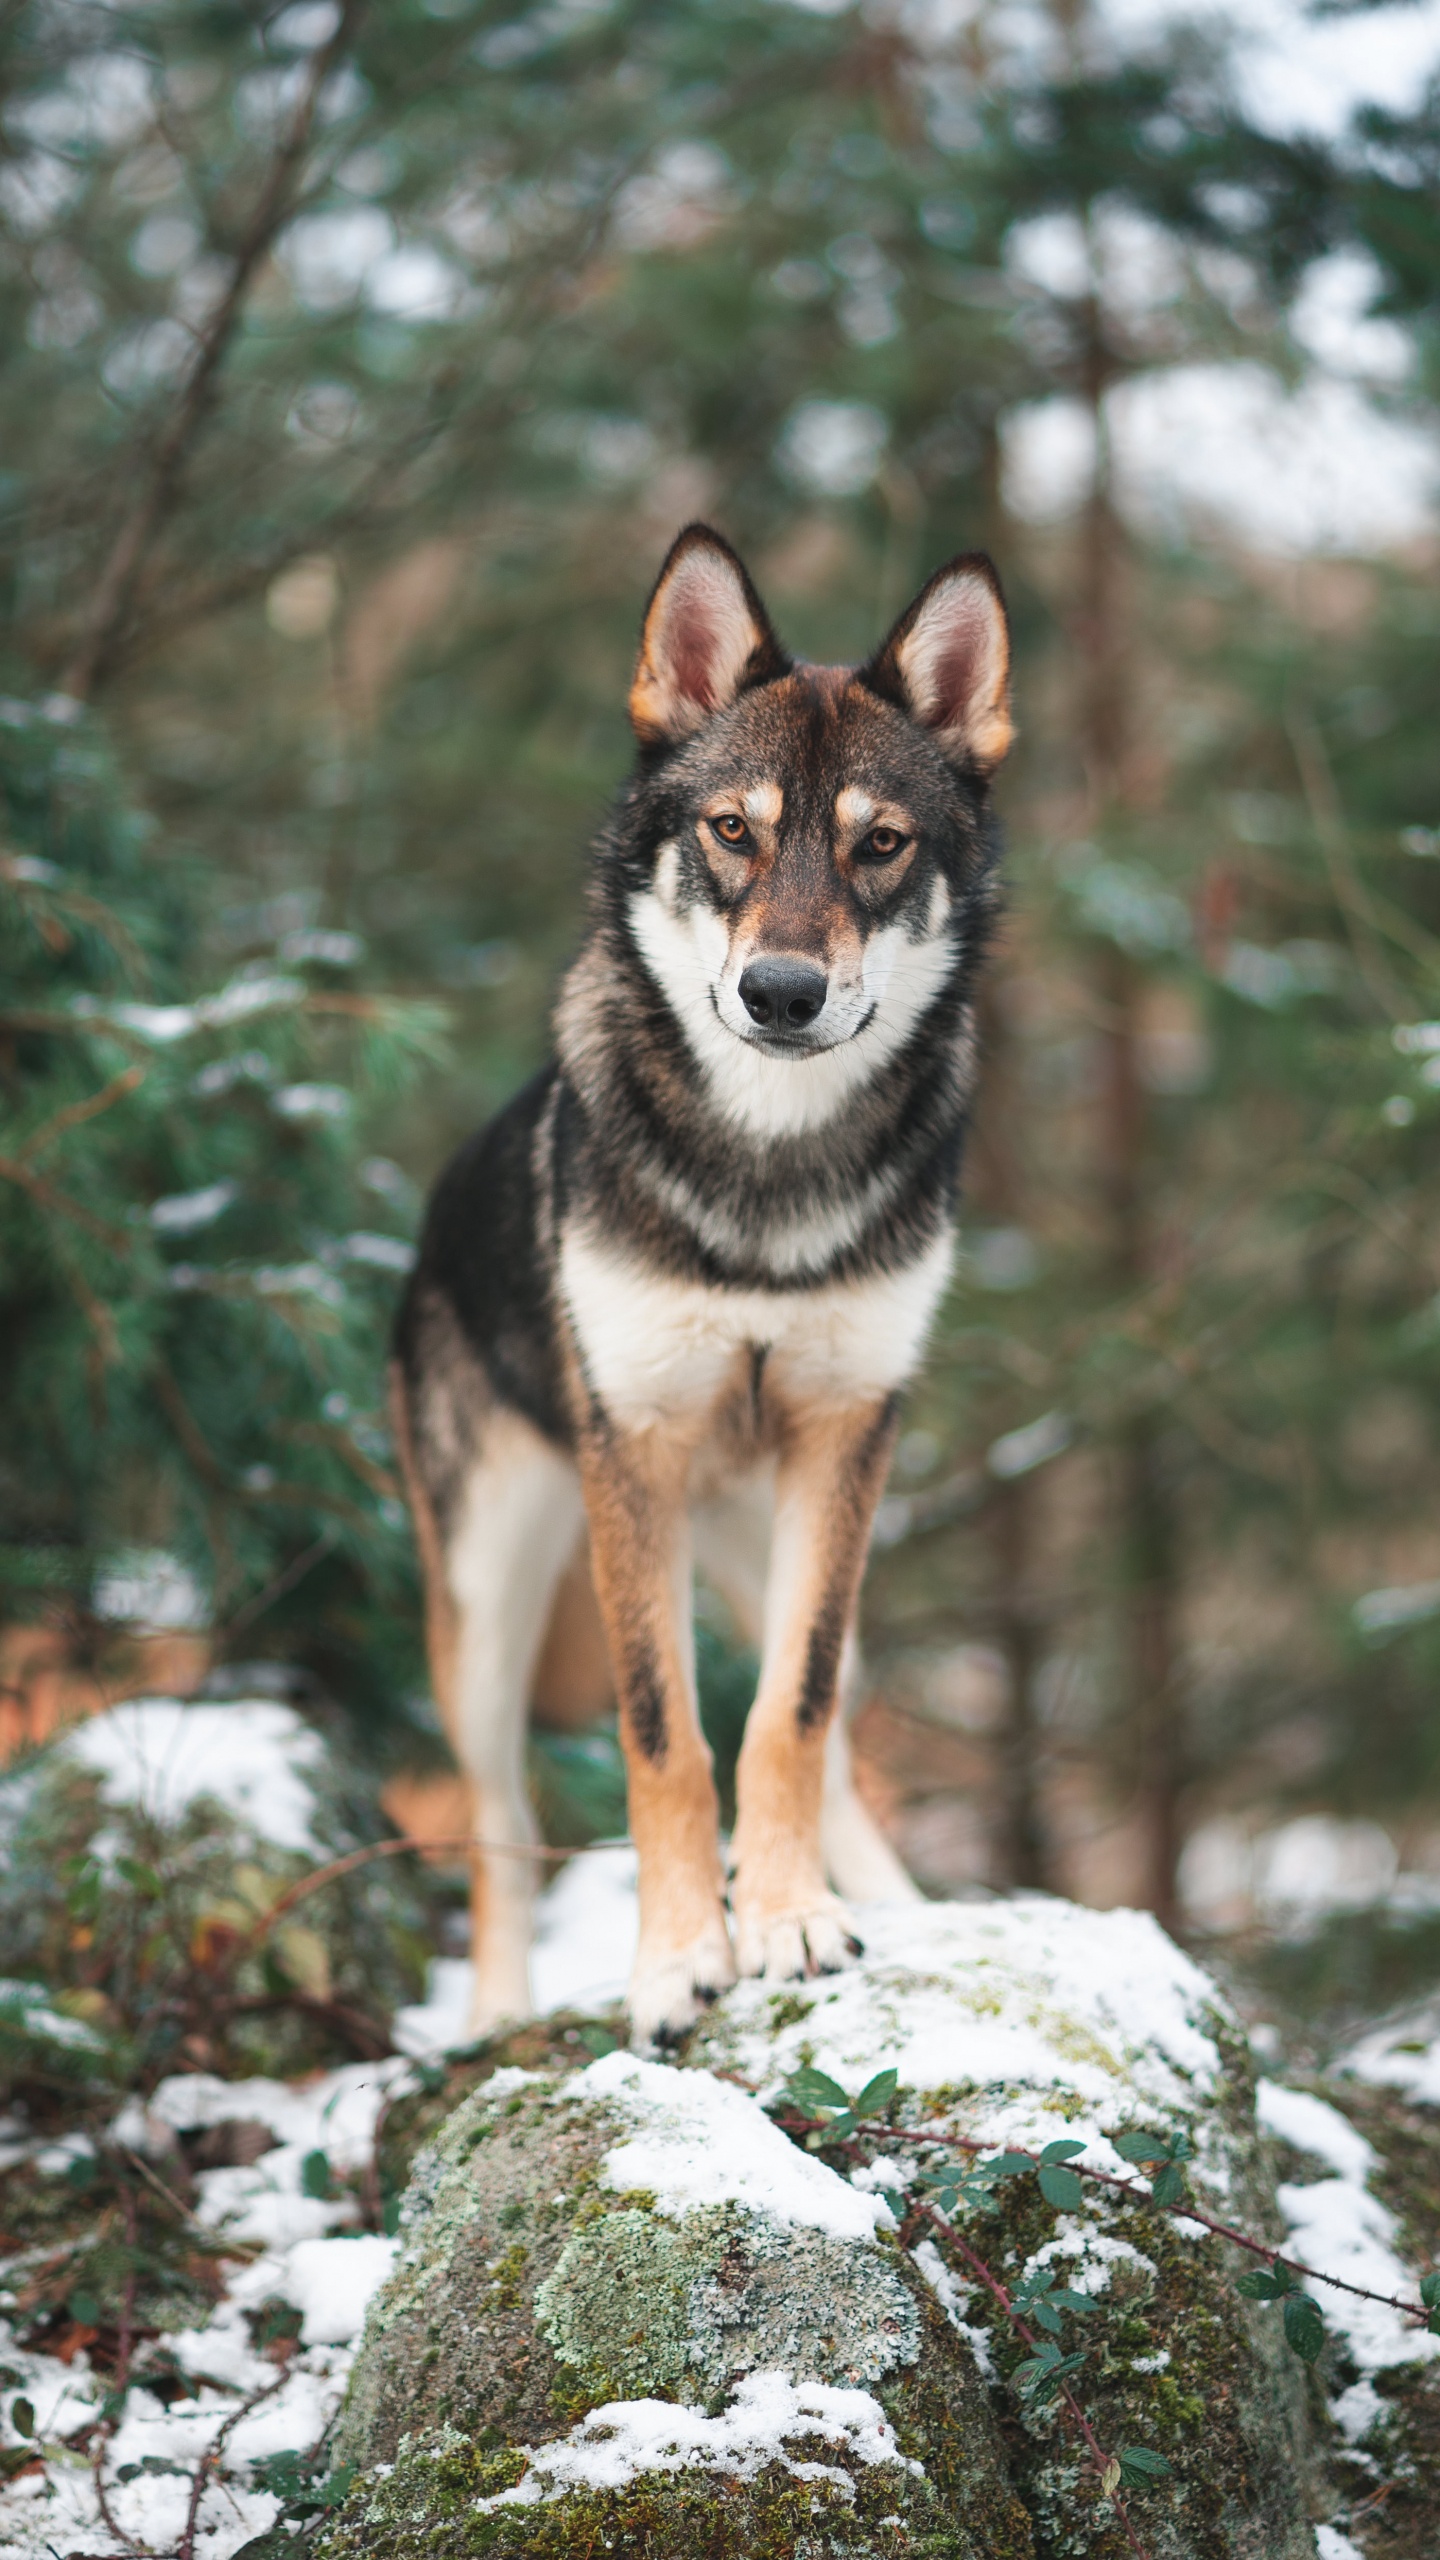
pixel 360 364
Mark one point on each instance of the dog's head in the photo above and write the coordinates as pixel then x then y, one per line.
pixel 809 838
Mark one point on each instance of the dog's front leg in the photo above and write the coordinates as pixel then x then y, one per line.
pixel 831 1475
pixel 636 1499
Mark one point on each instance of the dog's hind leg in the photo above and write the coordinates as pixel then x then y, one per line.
pixel 515 1529
pixel 733 1531
pixel 830 1477
pixel 640 1552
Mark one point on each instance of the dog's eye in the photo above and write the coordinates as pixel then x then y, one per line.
pixel 730 829
pixel 881 845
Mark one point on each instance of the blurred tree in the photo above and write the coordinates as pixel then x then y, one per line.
pixel 361 362
pixel 189 1437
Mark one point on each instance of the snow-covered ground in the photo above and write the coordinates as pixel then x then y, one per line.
pixel 1021 2007
pixel 308 2253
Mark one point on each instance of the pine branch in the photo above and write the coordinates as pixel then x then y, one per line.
pixel 115 592
pixel 76 1113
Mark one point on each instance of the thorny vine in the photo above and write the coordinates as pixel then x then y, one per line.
pixel 815 2108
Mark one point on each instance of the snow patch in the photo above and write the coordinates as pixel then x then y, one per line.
pixel 625 2438
pixel 1338 2226
pixel 332 2281
pixel 1308 2124
pixel 1404 2055
pixel 954 2299
pixel 698 2141
pixel 253 1756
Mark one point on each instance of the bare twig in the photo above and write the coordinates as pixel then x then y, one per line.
pixel 115 590
pixel 209 2460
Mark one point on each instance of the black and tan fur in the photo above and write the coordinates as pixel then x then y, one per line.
pixel 665 1304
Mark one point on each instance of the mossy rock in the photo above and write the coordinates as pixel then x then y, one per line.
pixel 1384 2460
pixel 631 2315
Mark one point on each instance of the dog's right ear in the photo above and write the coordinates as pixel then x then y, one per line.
pixel 707 638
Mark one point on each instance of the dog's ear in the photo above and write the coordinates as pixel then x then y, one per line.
pixel 707 638
pixel 947 663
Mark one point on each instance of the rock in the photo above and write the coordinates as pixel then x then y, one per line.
pixel 633 2314
pixel 1359 2155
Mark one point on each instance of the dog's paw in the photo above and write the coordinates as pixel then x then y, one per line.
pixel 783 1946
pixel 671 1987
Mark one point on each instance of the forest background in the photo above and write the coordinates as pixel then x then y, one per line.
pixel 360 364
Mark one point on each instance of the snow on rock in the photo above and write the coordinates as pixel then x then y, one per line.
pixel 1336 2224
pixel 698 2142
pixel 1309 2124
pixel 251 1755
pixel 1403 2055
pixel 1032 2018
pixel 622 2439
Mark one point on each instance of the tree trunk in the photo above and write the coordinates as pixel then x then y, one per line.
pixel 1149 1547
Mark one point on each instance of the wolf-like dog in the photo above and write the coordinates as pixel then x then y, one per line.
pixel 665 1304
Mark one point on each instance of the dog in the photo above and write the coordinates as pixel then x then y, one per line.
pixel 665 1304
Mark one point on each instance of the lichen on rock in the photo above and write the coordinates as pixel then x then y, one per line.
pixel 630 2313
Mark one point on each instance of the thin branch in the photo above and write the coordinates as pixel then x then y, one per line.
pixel 209 2460
pixel 301 1890
pixel 76 1113
pixel 1187 2211
pixel 1101 2461
pixel 59 1203
pixel 115 590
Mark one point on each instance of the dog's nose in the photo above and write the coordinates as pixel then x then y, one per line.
pixel 782 995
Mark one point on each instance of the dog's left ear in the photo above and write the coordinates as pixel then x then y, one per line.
pixel 707 638
pixel 947 663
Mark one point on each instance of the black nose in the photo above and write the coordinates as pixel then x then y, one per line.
pixel 782 995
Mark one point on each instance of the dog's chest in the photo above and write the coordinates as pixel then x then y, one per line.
pixel 657 1350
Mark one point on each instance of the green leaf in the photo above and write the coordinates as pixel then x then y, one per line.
pixel 141 1878
pixel 1061 2188
pixel 1304 2326
pixel 1046 2316
pixel 1139 2466
pixel 1433 2323
pixel 22 2417
pixel 1006 2164
pixel 1430 2292
pixel 315 2176
pixel 813 2090
pixel 1260 2288
pixel 876 2094
pixel 599 2041
pixel 895 2200
pixel 1169 2187
pixel 85 2308
pixel 1060 2151
pixel 1070 2301
pixel 1142 2147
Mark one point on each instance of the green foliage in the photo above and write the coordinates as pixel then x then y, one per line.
pixel 814 2093
pixel 196 1271
pixel 108 1982
pixel 1301 2315
pixel 1164 2155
